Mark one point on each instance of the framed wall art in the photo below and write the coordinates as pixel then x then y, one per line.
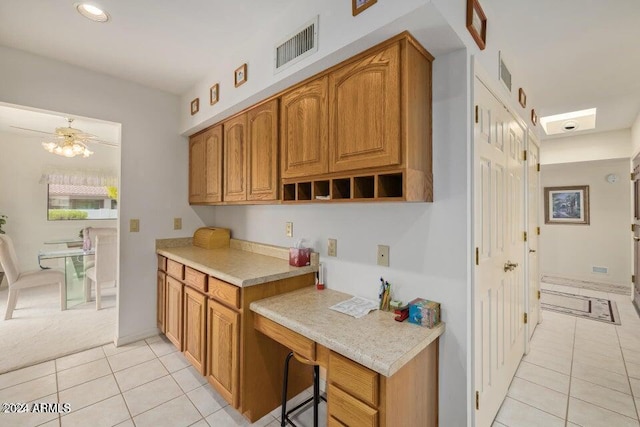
pixel 534 117
pixel 477 23
pixel 522 98
pixel 195 106
pixel 240 75
pixel 566 205
pixel 358 6
pixel 214 93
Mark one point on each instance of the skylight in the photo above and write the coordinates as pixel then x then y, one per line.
pixel 574 121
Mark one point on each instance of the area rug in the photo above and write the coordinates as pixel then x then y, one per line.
pixel 39 331
pixel 600 309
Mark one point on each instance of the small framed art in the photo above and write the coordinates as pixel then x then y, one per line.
pixel 195 106
pixel 566 205
pixel 358 6
pixel 240 75
pixel 522 98
pixel 477 23
pixel 213 93
pixel 534 117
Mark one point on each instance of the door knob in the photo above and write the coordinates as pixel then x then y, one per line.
pixel 636 238
pixel 531 251
pixel 509 266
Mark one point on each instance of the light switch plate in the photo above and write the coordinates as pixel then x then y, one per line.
pixel 289 229
pixel 383 255
pixel 134 225
pixel 332 247
pixel 177 223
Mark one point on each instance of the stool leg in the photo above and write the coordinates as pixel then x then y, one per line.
pixel 316 394
pixel 283 418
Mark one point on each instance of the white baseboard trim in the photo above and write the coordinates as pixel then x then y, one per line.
pixel 615 288
pixel 128 339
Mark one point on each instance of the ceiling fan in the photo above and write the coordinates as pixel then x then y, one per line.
pixel 69 141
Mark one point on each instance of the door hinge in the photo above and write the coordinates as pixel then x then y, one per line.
pixel 525 318
pixel 538 294
pixel 538 230
pixel 633 278
pixel 633 227
pixel 538 167
pixel 524 155
pixel 477 400
pixel 632 176
pixel 524 235
pixel 476 114
pixel 477 256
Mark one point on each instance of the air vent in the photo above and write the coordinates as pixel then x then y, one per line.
pixel 601 270
pixel 505 74
pixel 297 46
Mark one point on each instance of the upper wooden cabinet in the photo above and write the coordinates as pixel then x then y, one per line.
pixel 304 130
pixel 205 166
pixel 364 118
pixel 235 159
pixel 262 156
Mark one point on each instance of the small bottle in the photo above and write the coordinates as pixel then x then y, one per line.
pixel 320 278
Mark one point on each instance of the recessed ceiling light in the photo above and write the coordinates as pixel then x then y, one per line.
pixel 92 12
pixel 569 122
pixel 570 125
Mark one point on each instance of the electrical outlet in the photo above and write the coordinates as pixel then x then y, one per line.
pixel 332 247
pixel 383 255
pixel 134 225
pixel 177 223
pixel 289 229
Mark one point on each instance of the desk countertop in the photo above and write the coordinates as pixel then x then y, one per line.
pixel 375 340
pixel 235 265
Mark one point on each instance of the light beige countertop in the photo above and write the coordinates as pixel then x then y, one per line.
pixel 376 340
pixel 242 264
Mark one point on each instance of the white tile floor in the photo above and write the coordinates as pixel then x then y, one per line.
pixel 579 372
pixel 147 383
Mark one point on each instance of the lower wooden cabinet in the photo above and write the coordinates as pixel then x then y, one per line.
pixel 223 334
pixel 194 317
pixel 173 311
pixel 162 278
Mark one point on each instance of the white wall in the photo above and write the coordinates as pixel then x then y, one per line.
pixel 428 241
pixel 572 250
pixel 583 148
pixel 635 137
pixel 24 200
pixel 153 166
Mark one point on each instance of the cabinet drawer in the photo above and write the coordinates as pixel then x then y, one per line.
pixel 195 279
pixel 285 336
pixel 224 292
pixel 354 378
pixel 175 269
pixel 162 263
pixel 348 410
pixel 332 422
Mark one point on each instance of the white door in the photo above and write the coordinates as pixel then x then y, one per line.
pixel 499 226
pixel 533 194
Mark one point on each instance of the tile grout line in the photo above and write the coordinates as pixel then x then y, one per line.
pixel 529 405
pixel 633 397
pixel 119 388
pixel 575 331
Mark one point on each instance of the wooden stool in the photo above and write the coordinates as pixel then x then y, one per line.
pixel 316 391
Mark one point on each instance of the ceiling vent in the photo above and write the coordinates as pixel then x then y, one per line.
pixel 505 74
pixel 296 47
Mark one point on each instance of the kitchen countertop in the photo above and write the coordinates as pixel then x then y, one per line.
pixel 376 340
pixel 236 266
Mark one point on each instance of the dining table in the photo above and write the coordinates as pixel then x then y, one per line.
pixel 74 267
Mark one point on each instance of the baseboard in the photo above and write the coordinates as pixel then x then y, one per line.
pixel 128 339
pixel 615 288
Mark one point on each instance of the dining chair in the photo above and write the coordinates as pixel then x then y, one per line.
pixel 27 279
pixel 104 270
pixel 91 233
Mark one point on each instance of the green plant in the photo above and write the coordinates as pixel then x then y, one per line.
pixel 3 221
pixel 62 214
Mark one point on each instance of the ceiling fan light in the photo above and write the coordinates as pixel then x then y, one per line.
pixel 87 153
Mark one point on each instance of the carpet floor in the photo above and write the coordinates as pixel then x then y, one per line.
pixel 39 331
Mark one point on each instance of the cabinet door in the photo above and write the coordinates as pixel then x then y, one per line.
pixel 213 165
pixel 364 118
pixel 162 277
pixel 197 169
pixel 235 159
pixel 303 131
pixel 194 328
pixel 223 333
pixel 173 326
pixel 262 123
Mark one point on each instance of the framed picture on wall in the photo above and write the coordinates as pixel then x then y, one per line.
pixel 477 23
pixel 240 75
pixel 213 93
pixel 195 106
pixel 566 205
pixel 358 6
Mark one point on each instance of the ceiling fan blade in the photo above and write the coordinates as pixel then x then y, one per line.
pixel 33 130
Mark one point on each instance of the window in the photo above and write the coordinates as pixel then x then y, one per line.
pixel 78 202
